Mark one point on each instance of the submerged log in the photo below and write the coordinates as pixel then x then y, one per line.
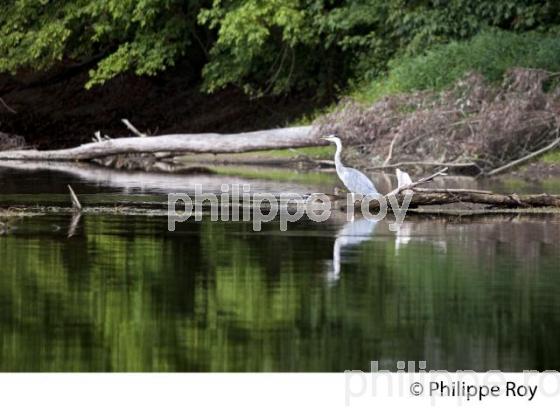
pixel 422 199
pixel 293 137
pixel 491 200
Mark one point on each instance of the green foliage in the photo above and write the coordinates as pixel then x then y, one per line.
pixel 255 38
pixel 144 36
pixel 277 46
pixel 266 47
pixel 490 53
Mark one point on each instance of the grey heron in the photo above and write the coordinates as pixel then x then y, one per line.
pixel 355 181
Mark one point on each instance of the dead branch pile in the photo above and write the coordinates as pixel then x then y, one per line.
pixel 473 124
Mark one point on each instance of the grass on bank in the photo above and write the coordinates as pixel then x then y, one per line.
pixel 552 157
pixel 490 53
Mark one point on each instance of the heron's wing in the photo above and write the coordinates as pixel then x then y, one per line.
pixel 357 182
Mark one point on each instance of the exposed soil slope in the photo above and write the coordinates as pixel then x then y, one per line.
pixel 54 110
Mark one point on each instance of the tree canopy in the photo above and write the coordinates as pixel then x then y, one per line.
pixel 263 46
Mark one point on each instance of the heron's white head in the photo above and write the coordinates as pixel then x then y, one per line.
pixel 332 138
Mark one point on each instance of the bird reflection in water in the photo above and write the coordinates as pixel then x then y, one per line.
pixel 417 232
pixel 350 235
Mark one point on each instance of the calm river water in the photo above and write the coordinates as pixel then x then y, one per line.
pixel 124 294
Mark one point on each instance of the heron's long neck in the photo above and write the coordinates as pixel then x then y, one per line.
pixel 337 161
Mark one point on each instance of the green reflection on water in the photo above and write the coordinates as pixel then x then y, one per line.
pixel 126 295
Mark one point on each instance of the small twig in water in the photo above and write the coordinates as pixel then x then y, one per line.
pixel 76 216
pixel 75 201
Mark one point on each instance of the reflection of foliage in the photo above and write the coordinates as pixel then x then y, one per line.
pixel 126 295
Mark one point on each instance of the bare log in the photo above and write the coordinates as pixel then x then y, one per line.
pixel 293 137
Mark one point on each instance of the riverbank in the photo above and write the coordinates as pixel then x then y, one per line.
pixel 478 117
pixel 539 170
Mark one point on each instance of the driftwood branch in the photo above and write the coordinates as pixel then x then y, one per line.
pixel 293 137
pixel 74 198
pixel 451 190
pixel 414 184
pixel 525 158
pixel 133 128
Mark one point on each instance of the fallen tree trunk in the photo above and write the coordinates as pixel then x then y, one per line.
pixel 445 197
pixel 293 137
pixel 497 200
pixel 423 196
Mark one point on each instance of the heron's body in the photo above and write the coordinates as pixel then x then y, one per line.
pixel 355 181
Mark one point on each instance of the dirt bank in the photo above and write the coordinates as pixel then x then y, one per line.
pixel 53 110
pixel 475 123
